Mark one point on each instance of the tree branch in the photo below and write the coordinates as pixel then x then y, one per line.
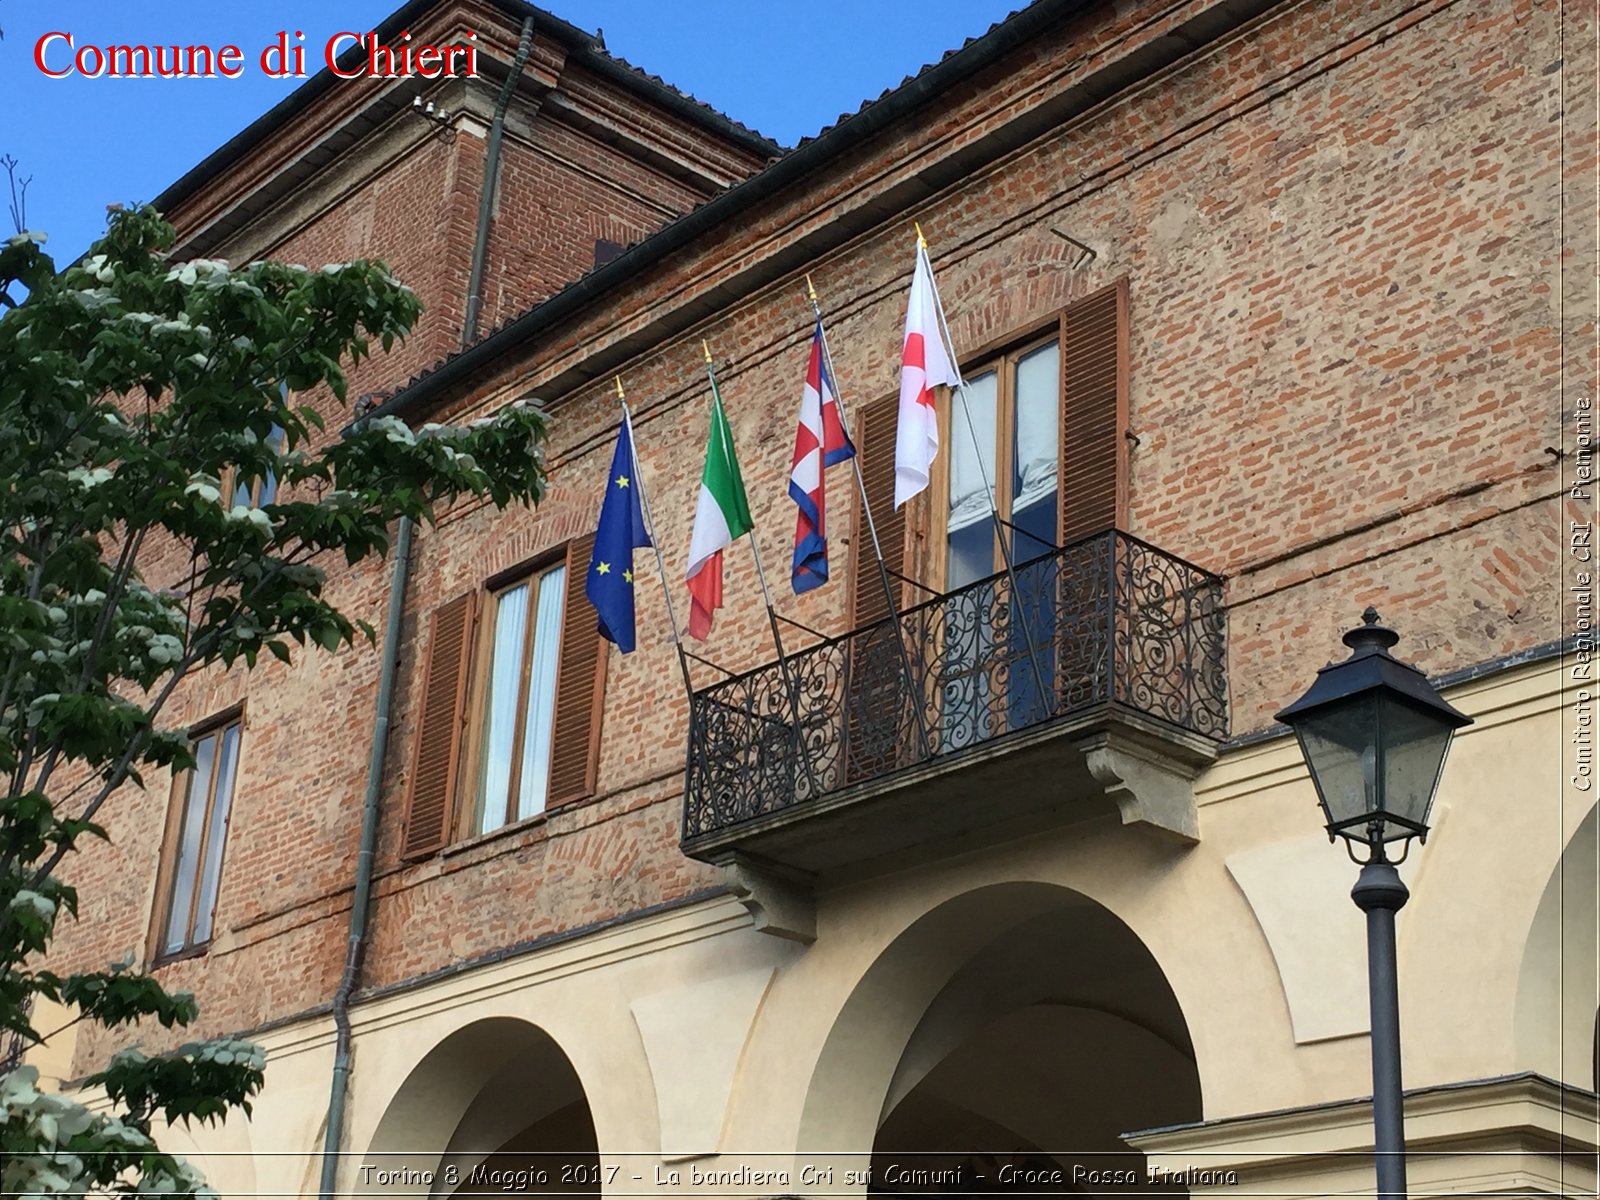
pixel 118 775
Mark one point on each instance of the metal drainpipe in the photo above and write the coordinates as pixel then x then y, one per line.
pixel 364 859
pixel 491 173
pixel 360 903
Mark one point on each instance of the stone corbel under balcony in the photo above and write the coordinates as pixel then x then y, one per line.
pixel 1149 783
pixel 779 901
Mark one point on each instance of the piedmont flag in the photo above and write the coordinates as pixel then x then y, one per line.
pixel 820 441
pixel 721 514
pixel 609 585
pixel 924 365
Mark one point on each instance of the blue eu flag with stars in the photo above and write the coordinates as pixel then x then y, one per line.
pixel 610 582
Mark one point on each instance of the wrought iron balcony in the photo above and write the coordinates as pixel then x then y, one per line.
pixel 876 741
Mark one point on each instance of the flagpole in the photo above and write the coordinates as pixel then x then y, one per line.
pixel 915 692
pixel 772 615
pixel 655 544
pixel 983 474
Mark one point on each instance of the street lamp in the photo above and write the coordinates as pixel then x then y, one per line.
pixel 1374 734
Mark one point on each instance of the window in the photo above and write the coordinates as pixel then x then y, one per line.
pixel 197 832
pixel 1048 409
pixel 1004 456
pixel 508 719
pixel 517 710
pixel 261 490
pixel 255 491
pixel 1013 443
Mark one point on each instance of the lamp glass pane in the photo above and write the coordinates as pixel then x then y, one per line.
pixel 1414 745
pixel 1340 745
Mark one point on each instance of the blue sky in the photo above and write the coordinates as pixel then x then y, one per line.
pixel 787 69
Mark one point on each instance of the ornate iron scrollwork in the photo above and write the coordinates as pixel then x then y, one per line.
pixel 1109 619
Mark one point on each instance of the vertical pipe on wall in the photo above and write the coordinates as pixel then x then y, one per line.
pixel 491 173
pixel 364 859
pixel 340 1086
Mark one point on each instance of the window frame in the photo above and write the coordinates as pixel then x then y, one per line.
pixel 1092 335
pixel 469 801
pixel 257 484
pixel 1001 357
pixel 172 840
pixel 436 816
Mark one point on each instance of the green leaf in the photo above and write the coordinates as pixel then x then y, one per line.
pixel 131 386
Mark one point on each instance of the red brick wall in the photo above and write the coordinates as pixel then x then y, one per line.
pixel 560 191
pixel 1341 237
pixel 411 199
pixel 1341 333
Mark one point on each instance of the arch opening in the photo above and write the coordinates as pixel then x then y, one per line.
pixel 495 1107
pixel 1558 985
pixel 1022 1029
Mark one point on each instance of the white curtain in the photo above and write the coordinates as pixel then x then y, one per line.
pixel 269 485
pixel 968 503
pixel 500 707
pixel 1038 426
pixel 542 693
pixel 216 835
pixel 194 816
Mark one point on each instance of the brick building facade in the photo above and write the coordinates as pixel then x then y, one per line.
pixel 1307 291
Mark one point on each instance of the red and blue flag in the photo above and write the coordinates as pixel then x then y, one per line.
pixel 820 442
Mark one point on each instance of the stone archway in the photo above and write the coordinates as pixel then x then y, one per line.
pixel 496 1106
pixel 1557 992
pixel 1020 1027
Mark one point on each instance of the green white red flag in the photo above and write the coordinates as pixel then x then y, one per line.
pixel 721 514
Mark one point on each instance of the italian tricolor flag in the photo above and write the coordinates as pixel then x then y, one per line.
pixel 721 514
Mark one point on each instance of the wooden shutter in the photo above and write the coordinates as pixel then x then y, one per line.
pixel 437 748
pixel 580 687
pixel 877 434
pixel 875 701
pixel 1094 413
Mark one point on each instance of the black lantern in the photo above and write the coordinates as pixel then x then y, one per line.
pixel 1374 734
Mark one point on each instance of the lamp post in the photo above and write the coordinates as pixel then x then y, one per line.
pixel 1374 734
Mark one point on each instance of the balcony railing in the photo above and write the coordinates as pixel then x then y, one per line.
pixel 1110 622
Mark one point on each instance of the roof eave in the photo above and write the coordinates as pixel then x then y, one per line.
pixel 917 91
pixel 576 40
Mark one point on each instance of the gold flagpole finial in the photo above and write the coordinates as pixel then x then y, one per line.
pixel 620 395
pixel 811 292
pixel 922 242
pixel 707 348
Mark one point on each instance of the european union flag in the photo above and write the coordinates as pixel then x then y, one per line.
pixel 610 582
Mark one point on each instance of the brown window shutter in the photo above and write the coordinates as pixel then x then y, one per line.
pixel 437 749
pixel 875 691
pixel 1094 413
pixel 580 687
pixel 877 434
